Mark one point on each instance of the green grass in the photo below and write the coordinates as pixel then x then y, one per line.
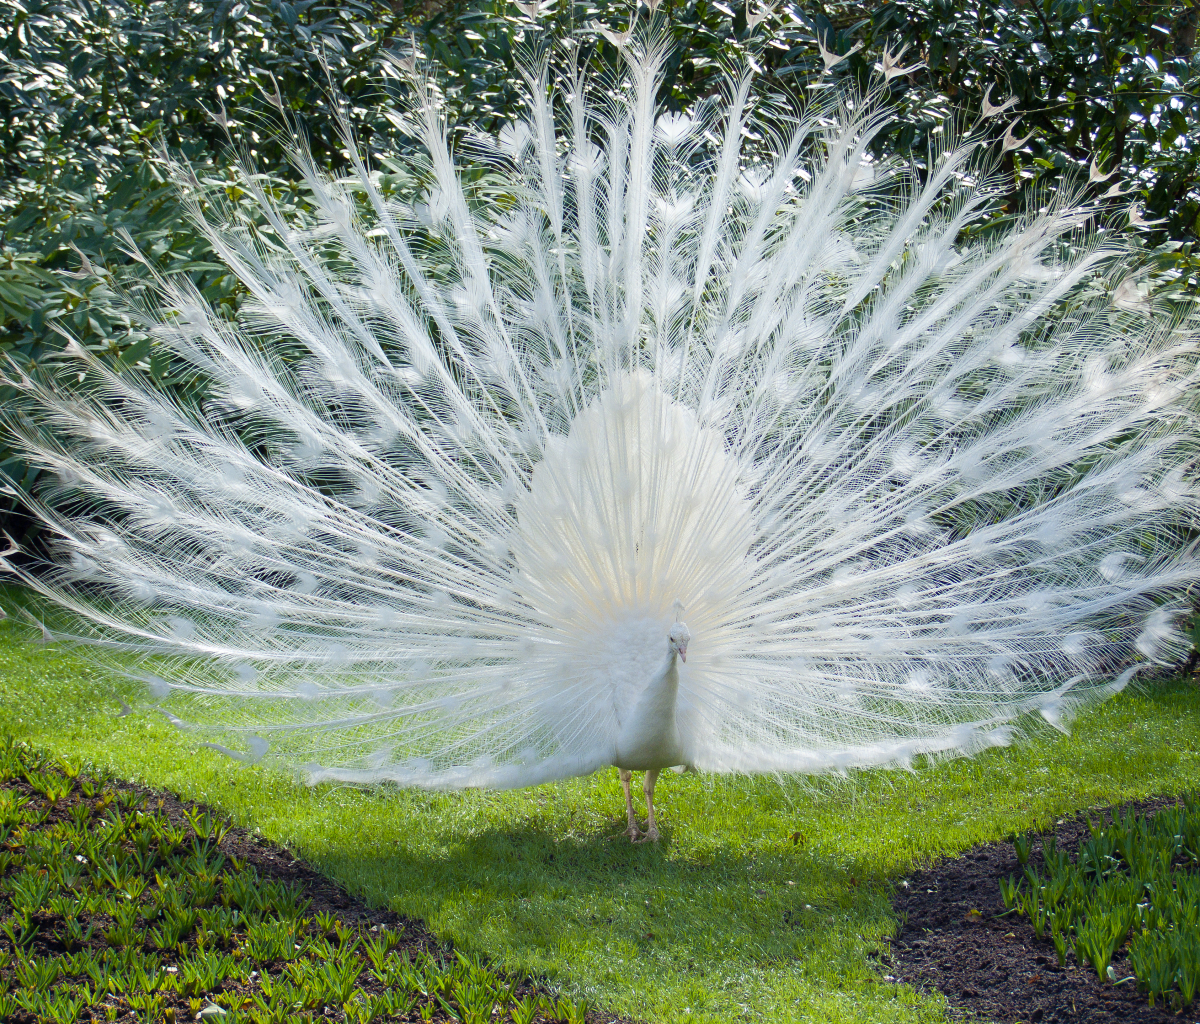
pixel 731 917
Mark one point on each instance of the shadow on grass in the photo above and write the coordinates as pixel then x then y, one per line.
pixel 641 899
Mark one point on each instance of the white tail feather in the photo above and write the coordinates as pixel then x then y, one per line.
pixel 459 462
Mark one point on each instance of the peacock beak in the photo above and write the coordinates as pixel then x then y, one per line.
pixel 682 649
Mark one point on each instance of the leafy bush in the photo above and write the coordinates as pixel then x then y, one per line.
pixel 90 90
pixel 1113 82
pixel 89 93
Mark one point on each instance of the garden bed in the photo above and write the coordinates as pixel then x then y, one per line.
pixel 956 936
pixel 119 903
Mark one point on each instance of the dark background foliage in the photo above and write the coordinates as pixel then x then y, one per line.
pixel 90 90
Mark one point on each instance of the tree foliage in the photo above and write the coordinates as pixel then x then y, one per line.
pixel 91 91
pixel 1113 86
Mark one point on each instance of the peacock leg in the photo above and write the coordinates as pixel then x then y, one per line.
pixel 633 831
pixel 651 835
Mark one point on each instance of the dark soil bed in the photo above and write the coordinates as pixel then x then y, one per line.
pixel 952 939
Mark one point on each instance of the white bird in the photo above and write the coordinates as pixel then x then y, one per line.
pixel 440 498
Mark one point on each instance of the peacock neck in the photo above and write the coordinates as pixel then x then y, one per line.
pixel 662 692
pixel 650 736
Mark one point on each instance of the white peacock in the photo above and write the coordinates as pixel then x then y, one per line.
pixel 465 464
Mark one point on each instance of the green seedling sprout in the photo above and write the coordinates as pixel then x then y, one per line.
pixel 1022 845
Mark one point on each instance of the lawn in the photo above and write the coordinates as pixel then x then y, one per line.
pixel 765 901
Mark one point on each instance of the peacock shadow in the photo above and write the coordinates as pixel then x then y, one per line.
pixel 515 888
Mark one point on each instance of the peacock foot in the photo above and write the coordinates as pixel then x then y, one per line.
pixel 634 833
pixel 650 836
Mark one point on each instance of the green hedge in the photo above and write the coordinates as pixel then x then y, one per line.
pixel 90 90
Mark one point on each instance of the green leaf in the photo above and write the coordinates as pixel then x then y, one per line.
pixel 135 353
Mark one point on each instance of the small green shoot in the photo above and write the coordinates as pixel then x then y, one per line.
pixel 1023 845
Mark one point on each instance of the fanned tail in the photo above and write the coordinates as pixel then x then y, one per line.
pixel 912 480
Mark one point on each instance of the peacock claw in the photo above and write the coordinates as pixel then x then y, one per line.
pixel 650 836
pixel 634 833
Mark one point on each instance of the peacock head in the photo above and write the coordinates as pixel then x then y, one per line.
pixel 677 639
